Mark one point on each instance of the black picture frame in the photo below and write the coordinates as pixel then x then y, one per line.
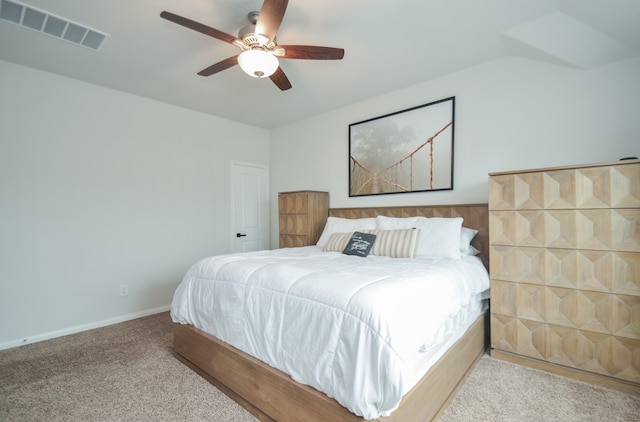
pixel 406 151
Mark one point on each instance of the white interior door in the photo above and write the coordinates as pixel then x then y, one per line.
pixel 249 206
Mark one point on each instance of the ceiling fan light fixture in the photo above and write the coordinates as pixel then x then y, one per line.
pixel 258 63
pixel 257 41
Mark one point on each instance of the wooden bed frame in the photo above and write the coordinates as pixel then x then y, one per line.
pixel 270 395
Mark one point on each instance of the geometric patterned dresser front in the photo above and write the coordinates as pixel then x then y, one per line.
pixel 302 216
pixel 565 266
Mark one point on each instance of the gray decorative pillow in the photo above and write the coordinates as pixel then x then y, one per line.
pixel 360 244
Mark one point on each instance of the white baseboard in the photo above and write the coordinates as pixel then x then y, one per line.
pixel 83 327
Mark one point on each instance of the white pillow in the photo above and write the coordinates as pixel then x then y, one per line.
pixel 344 225
pixel 439 237
pixel 466 236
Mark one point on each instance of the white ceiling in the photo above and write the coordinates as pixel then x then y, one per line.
pixel 388 45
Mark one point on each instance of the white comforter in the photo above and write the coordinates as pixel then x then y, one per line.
pixel 362 330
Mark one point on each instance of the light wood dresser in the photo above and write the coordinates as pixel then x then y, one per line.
pixel 302 217
pixel 565 270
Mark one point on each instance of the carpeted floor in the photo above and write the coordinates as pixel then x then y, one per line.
pixel 127 372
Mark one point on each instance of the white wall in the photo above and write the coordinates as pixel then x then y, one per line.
pixel 510 114
pixel 99 188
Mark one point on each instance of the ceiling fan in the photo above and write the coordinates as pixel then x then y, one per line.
pixel 257 41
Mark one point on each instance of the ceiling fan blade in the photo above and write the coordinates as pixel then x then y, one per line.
pixel 280 79
pixel 270 17
pixel 309 52
pixel 220 66
pixel 207 30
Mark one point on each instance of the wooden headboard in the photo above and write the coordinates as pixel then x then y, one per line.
pixel 476 216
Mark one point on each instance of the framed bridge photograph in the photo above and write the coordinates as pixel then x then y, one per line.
pixel 406 151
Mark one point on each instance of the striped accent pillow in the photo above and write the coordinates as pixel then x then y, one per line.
pixel 402 243
pixel 338 241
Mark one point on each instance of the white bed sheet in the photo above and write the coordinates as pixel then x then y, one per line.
pixel 361 330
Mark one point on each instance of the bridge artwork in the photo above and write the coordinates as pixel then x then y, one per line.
pixel 403 153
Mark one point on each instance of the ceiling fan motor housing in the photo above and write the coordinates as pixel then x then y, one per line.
pixel 249 36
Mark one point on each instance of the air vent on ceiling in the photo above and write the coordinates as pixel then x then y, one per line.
pixel 55 26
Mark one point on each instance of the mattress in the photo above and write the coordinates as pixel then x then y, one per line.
pixel 361 330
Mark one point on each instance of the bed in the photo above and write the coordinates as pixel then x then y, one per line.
pixel 397 384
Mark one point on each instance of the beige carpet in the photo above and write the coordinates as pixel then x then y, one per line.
pixel 126 372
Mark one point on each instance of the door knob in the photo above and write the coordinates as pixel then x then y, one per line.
pixel 240 235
